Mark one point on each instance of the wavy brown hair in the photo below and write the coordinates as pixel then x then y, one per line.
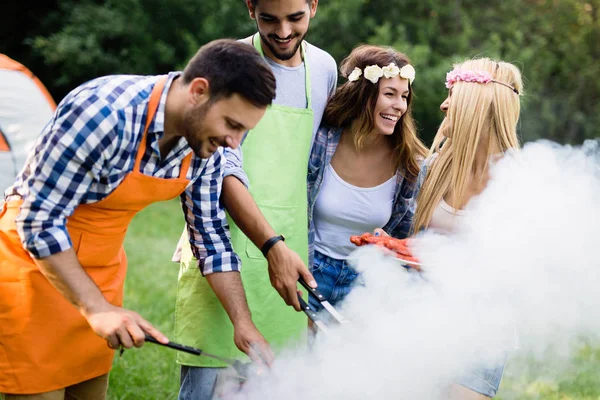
pixel 355 101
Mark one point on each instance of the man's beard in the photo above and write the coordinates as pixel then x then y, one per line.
pixel 194 128
pixel 276 53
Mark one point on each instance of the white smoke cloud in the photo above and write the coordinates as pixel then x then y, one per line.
pixel 525 260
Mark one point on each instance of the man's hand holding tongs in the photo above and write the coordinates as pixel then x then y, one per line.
pixel 285 268
pixel 250 341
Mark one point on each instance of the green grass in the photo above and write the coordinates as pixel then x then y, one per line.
pixel 151 372
pixel 150 287
pixel 554 378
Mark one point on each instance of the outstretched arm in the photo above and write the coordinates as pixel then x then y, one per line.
pixel 211 245
pixel 285 266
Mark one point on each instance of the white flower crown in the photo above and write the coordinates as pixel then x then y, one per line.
pixel 374 72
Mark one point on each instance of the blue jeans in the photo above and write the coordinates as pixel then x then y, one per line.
pixel 485 379
pixel 198 383
pixel 334 277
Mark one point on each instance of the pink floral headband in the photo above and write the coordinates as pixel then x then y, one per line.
pixel 465 75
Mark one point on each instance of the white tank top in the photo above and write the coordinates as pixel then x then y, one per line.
pixel 343 210
pixel 445 218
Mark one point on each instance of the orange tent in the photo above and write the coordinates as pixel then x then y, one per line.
pixel 25 108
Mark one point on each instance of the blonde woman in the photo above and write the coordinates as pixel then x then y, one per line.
pixel 482 110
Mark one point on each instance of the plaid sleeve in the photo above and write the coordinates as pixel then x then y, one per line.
pixel 68 156
pixel 233 166
pixel 206 220
pixel 404 211
pixel 421 176
pixel 403 228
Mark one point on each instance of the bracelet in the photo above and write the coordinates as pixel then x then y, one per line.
pixel 270 243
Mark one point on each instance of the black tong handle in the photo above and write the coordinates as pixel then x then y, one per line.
pixel 314 291
pixel 175 346
pixel 312 315
pixel 239 367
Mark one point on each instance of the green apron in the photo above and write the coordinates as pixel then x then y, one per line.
pixel 276 155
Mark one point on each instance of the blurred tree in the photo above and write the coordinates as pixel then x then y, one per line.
pixel 97 37
pixel 554 42
pixel 561 47
pixel 19 21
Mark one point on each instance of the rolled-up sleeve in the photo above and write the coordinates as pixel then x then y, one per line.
pixel 207 226
pixel 401 228
pixel 234 165
pixel 67 158
pixel 421 176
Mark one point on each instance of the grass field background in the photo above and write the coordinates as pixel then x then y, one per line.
pixel 150 287
pixel 151 372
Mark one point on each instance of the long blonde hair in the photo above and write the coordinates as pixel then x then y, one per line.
pixel 477 111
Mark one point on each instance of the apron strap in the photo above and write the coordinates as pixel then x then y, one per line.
pixel 185 165
pixel 258 46
pixel 152 107
pixel 307 77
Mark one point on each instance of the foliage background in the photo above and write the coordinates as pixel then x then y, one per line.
pixel 554 42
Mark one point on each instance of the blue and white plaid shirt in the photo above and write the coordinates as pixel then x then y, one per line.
pixel 324 146
pixel 86 151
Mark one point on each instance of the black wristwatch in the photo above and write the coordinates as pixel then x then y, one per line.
pixel 270 243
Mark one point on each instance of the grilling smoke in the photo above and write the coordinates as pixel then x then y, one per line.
pixel 521 275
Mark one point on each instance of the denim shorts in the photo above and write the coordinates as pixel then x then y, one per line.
pixel 198 383
pixel 485 379
pixel 334 277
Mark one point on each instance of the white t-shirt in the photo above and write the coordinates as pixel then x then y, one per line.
pixel 342 210
pixel 445 218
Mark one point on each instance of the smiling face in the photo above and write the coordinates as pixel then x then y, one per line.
pixel 221 123
pixel 282 25
pixel 392 103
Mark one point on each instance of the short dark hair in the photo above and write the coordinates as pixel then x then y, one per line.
pixel 232 67
pixel 255 2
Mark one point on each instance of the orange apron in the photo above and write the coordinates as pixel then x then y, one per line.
pixel 45 343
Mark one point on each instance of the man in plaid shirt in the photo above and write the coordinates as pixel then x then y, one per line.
pixel 114 145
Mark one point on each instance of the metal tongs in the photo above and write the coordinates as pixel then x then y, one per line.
pixel 312 314
pixel 241 368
